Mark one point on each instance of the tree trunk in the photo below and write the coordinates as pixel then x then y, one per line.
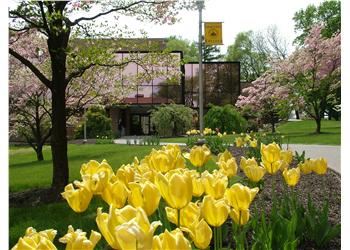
pixel 59 140
pixel 318 125
pixel 297 114
pixel 273 127
pixel 39 153
pixel 57 48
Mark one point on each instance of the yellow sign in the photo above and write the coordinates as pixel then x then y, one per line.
pixel 213 33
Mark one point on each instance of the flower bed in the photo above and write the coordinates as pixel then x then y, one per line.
pixel 163 202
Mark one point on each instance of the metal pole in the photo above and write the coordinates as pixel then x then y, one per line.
pixel 200 5
pixel 85 140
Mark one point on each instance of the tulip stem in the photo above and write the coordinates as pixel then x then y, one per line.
pixel 215 240
pixel 178 218
pixel 220 238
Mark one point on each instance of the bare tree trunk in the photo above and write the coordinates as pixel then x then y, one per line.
pixel 318 125
pixel 59 141
pixel 39 153
pixel 273 127
pixel 297 114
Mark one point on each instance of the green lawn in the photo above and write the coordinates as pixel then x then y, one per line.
pixel 26 172
pixel 301 132
pixel 23 162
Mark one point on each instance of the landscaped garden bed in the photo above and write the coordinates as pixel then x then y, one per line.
pixel 162 165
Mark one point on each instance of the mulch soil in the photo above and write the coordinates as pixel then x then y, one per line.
pixel 319 187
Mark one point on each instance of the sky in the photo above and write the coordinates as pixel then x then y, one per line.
pixel 237 16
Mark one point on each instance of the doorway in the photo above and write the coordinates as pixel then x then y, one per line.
pixel 140 124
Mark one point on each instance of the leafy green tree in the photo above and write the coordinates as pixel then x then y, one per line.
pixel 327 13
pixel 256 51
pixel 211 53
pixel 253 62
pixel 189 49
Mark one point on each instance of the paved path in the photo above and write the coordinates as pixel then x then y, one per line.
pixel 331 153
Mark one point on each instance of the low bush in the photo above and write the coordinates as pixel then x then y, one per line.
pixel 98 124
pixel 226 119
pixel 172 119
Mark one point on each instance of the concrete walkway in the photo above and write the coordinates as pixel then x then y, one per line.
pixel 331 153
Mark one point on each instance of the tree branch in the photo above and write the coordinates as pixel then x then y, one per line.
pixel 19 15
pixel 34 69
pixel 114 10
pixel 46 26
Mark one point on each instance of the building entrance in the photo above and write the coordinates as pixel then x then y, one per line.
pixel 140 124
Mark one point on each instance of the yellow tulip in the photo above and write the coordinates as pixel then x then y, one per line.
pixel 214 184
pixel 115 193
pixel 247 162
pixel 36 240
pixel 287 156
pixel 92 167
pixel 270 152
pixel 160 160
pixel 239 197
pixel 225 156
pixel 126 174
pixel 291 176
pixel 145 195
pixel 215 212
pixel 253 143
pixel 95 176
pixel 200 233
pixel 239 142
pixel 136 233
pixel 176 159
pixel 77 239
pixel 320 166
pixel 171 240
pixel 220 135
pixel 78 199
pixel 247 138
pixel 207 131
pixel 240 217
pixel 197 186
pixel 228 167
pixel 254 172
pixel 271 157
pixel 188 215
pixel 175 188
pixel 306 167
pixel 199 155
pixel 107 223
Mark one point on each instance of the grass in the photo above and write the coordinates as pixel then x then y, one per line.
pixel 59 215
pixel 302 132
pixel 23 163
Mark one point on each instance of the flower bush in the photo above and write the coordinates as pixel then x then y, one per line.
pixel 160 202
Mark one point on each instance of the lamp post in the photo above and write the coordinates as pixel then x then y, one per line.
pixel 200 5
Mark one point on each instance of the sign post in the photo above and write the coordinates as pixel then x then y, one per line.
pixel 200 5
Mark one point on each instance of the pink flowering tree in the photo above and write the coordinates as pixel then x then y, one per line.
pixel 265 101
pixel 60 23
pixel 313 72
